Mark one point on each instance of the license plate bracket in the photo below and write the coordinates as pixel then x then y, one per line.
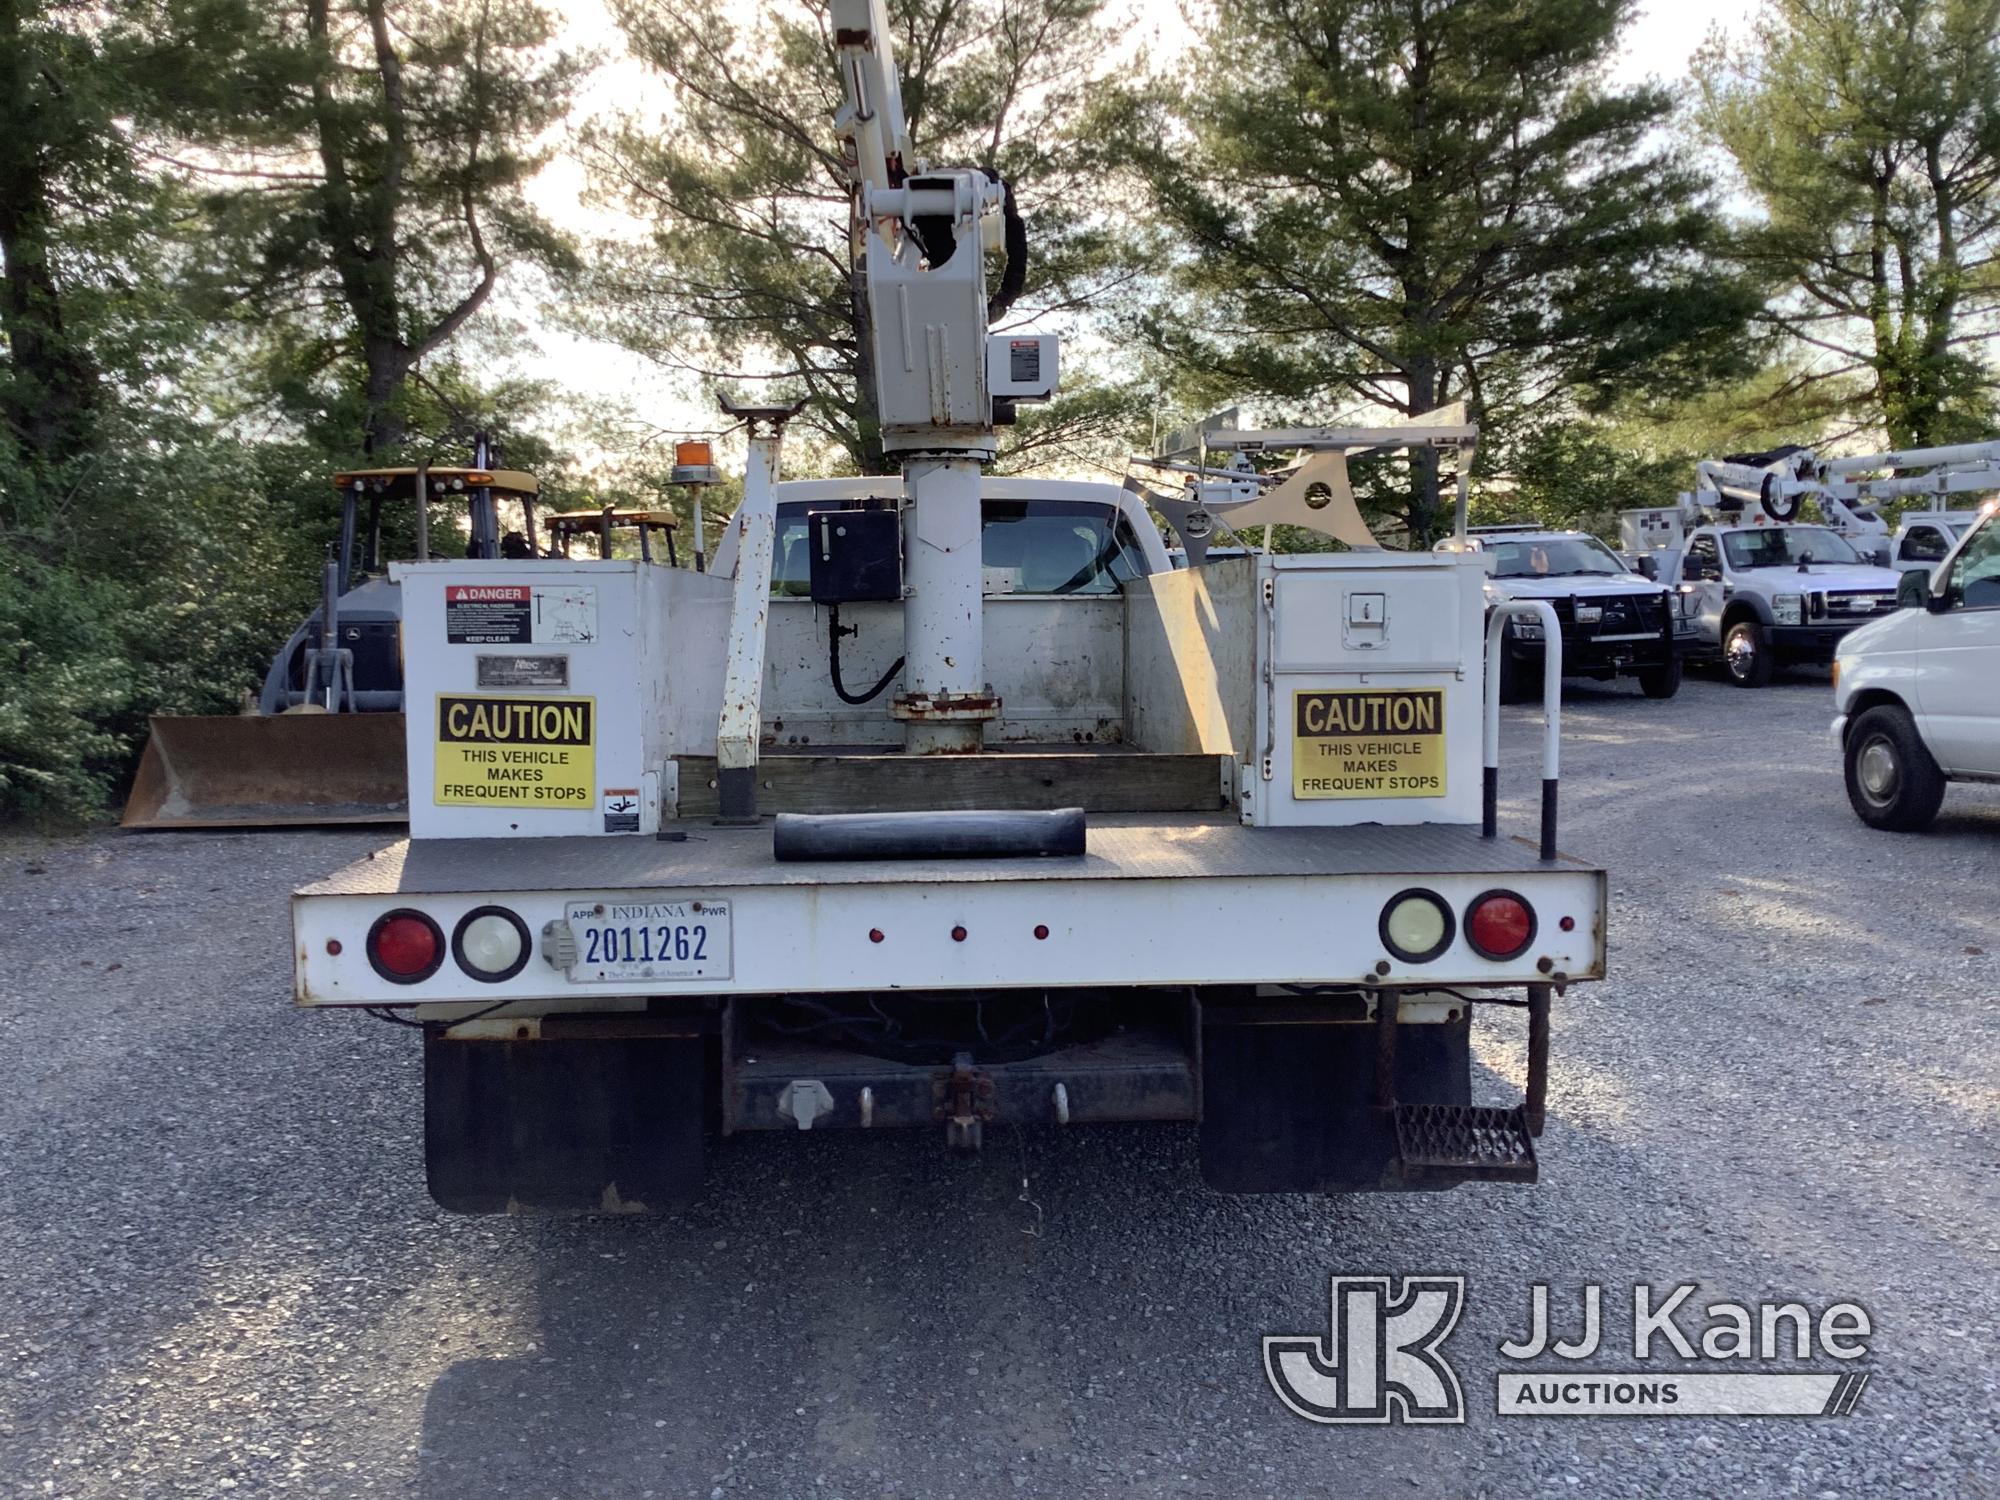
pixel 620 939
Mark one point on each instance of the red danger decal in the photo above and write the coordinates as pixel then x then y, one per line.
pixel 465 593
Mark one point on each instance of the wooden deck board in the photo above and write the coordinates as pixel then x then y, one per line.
pixel 997 781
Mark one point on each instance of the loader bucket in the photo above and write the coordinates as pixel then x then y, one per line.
pixel 265 771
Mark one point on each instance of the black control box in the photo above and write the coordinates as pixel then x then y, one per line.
pixel 857 555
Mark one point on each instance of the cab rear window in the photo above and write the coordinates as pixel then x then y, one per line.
pixel 1027 547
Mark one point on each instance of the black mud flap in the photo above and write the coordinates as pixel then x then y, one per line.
pixel 1290 1108
pixel 576 1125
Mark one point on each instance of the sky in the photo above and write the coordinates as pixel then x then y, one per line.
pixel 1659 44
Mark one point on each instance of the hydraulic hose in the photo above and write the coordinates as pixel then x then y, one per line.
pixel 1015 276
pixel 833 634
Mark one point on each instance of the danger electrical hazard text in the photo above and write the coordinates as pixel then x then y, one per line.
pixel 1368 744
pixel 487 615
pixel 516 752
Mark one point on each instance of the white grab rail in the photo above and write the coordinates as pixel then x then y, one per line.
pixel 1496 627
pixel 739 725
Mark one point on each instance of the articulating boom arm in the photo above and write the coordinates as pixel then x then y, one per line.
pixel 871 119
pixel 1782 480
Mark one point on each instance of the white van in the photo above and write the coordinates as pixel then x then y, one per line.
pixel 1919 690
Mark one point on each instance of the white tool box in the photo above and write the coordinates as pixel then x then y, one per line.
pixel 544 698
pixel 1368 665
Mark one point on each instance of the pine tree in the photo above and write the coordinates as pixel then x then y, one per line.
pixel 363 164
pixel 1403 203
pixel 1868 133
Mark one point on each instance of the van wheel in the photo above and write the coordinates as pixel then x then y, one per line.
pixel 1662 681
pixel 1746 653
pixel 1891 778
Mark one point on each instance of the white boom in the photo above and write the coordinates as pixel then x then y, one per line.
pixel 1845 489
pixel 921 237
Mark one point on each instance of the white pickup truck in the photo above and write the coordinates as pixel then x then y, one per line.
pixel 1918 693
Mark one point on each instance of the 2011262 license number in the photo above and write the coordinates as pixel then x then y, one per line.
pixel 682 938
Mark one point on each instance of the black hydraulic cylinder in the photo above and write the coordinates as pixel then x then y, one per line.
pixel 928 835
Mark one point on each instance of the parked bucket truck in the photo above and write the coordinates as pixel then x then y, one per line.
pixel 941 801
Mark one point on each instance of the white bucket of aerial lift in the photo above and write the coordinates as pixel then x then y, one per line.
pixel 546 698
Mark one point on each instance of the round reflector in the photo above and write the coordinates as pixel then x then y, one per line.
pixel 490 944
pixel 1416 926
pixel 405 946
pixel 1499 925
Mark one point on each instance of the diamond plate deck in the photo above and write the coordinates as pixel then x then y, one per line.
pixel 1119 847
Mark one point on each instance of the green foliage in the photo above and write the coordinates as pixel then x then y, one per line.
pixel 146 578
pixel 360 167
pixel 1868 134
pixel 1577 474
pixel 1368 203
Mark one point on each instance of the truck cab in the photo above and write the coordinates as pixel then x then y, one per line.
pixel 1615 622
pixel 1916 693
pixel 1924 537
pixel 1768 595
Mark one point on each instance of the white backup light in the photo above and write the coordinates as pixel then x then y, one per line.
pixel 490 944
pixel 1417 926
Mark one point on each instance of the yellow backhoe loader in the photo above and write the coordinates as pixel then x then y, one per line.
pixel 324 743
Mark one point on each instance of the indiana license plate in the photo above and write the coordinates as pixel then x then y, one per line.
pixel 619 938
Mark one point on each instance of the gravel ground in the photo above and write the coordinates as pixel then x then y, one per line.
pixel 222 1274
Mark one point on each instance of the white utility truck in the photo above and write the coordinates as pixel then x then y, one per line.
pixel 1614 622
pixel 1767 590
pixel 1923 537
pixel 944 801
pixel 1918 693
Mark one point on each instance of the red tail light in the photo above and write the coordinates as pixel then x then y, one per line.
pixel 405 946
pixel 1499 925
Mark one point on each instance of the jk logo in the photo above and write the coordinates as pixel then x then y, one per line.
pixel 1380 1362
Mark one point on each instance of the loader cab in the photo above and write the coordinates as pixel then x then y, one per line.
pixel 597 531
pixel 376 506
pixel 369 497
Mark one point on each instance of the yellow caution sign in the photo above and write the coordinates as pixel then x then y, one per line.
pixel 1362 743
pixel 516 752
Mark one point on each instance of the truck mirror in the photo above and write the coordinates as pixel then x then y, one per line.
pixel 1648 567
pixel 1913 590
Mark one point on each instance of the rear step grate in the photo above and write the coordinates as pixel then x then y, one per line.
pixel 1465 1142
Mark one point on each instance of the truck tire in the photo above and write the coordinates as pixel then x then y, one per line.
pixel 1662 681
pixel 1746 654
pixel 1513 677
pixel 1892 779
